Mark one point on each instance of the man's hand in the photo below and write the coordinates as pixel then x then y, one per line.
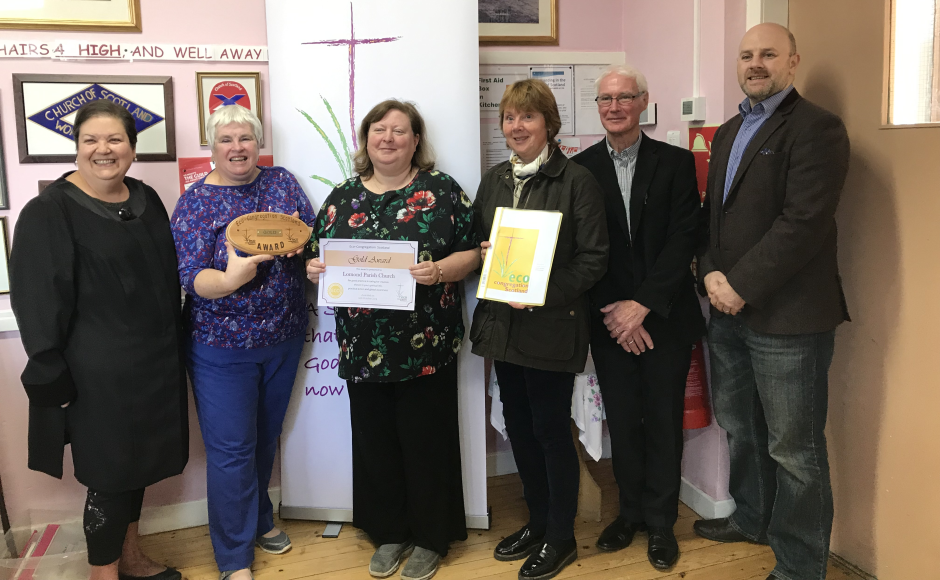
pixel 722 295
pixel 624 317
pixel 636 342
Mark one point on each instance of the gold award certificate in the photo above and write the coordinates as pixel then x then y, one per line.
pixel 368 273
pixel 519 261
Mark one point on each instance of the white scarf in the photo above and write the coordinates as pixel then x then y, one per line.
pixel 523 172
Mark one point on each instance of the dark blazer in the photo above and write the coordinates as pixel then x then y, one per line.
pixel 555 336
pixel 775 235
pixel 653 266
pixel 97 301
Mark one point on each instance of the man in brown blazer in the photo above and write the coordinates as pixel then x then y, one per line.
pixel 770 271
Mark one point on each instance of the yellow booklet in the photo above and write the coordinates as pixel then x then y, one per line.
pixel 519 261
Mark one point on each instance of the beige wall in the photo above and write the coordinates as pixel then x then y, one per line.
pixel 884 439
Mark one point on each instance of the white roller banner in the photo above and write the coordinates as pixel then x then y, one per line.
pixel 329 63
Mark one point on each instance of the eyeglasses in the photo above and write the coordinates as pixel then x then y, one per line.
pixel 623 99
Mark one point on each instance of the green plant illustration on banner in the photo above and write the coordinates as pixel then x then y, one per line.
pixel 344 158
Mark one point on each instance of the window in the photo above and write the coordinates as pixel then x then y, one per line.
pixel 914 93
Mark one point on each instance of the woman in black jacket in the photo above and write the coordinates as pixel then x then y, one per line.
pixel 97 300
pixel 538 350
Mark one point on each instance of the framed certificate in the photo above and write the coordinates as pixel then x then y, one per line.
pixel 519 261
pixel 368 273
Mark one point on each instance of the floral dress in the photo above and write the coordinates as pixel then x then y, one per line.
pixel 379 345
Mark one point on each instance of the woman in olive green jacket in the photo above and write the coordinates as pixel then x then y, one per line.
pixel 538 350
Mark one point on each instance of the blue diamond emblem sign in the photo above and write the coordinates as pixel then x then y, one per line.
pixel 53 117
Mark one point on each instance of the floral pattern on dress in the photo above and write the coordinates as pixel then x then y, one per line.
pixel 270 308
pixel 379 345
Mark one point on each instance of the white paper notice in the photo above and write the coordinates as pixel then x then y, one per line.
pixel 561 80
pixel 570 146
pixel 493 142
pixel 493 83
pixel 586 117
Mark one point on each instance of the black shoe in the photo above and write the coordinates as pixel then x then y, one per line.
pixel 618 535
pixel 719 530
pixel 168 574
pixel 518 545
pixel 549 562
pixel 663 549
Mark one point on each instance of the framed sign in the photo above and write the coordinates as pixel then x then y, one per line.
pixel 102 15
pixel 4 258
pixel 518 21
pixel 46 106
pixel 220 89
pixel 4 196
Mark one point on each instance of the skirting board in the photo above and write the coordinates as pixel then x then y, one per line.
pixel 7 321
pixel 167 518
pixel 343 515
pixel 702 503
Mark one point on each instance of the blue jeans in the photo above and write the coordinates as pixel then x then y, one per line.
pixel 771 396
pixel 241 399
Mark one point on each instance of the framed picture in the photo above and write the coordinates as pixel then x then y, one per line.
pixel 4 196
pixel 46 105
pixel 220 89
pixel 101 15
pixel 518 21
pixel 4 258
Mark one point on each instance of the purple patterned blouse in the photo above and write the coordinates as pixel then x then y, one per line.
pixel 270 308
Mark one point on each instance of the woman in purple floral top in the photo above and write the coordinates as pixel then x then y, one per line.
pixel 401 366
pixel 246 319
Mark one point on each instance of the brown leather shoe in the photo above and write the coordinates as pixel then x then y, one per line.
pixel 719 530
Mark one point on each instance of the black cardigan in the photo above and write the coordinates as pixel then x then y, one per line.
pixel 97 301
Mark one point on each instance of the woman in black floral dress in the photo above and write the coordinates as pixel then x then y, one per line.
pixel 401 366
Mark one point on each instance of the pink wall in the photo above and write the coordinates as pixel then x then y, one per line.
pixel 583 25
pixel 164 21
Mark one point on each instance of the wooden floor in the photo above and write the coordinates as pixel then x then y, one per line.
pixel 347 557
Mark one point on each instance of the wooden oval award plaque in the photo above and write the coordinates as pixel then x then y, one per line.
pixel 267 233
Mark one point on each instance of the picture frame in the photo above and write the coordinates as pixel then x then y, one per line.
pixel 97 15
pixel 518 22
pixel 45 106
pixel 216 89
pixel 4 192
pixel 4 257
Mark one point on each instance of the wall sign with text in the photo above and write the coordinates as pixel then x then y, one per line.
pixel 109 49
pixel 46 106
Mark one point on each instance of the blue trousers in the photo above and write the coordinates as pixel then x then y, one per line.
pixel 771 395
pixel 241 399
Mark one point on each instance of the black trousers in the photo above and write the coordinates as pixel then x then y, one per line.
pixel 537 409
pixel 107 515
pixel 407 482
pixel 644 400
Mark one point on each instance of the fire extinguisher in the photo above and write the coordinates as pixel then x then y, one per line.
pixel 697 412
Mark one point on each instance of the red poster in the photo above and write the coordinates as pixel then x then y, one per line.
pixel 700 141
pixel 192 169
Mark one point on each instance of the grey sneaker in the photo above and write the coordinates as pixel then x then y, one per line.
pixel 228 573
pixel 388 558
pixel 276 545
pixel 421 565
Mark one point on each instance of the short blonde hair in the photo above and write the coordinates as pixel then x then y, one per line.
pixel 532 96
pixel 232 114
pixel 423 158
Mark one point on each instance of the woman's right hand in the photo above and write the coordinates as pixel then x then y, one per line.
pixel 240 271
pixel 483 248
pixel 314 268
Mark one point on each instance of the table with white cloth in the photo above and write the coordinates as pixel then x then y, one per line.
pixel 587 413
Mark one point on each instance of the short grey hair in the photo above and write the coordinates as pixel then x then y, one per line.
pixel 232 114
pixel 624 71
